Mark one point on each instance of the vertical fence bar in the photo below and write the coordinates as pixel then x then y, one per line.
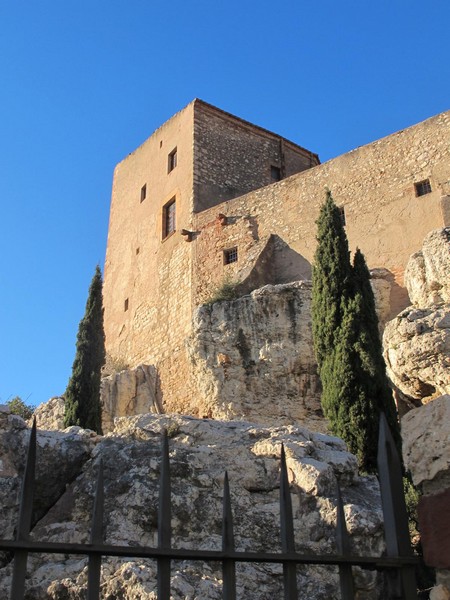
pixel 394 510
pixel 287 531
pixel 228 565
pixel 24 521
pixel 164 521
pixel 343 546
pixel 95 561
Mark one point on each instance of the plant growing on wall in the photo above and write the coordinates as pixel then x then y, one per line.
pixel 347 342
pixel 226 290
pixel 82 396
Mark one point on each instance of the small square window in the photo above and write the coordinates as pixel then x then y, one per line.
pixel 172 160
pixel 143 192
pixel 422 187
pixel 169 211
pixel 230 256
pixel 275 173
pixel 125 305
pixel 341 210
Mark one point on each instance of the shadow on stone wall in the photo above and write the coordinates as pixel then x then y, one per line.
pixel 277 263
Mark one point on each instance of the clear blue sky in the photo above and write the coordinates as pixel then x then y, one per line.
pixel 83 83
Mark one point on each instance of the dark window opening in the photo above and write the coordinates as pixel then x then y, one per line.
pixel 169 218
pixel 138 250
pixel 341 210
pixel 125 305
pixel 172 163
pixel 422 187
pixel 275 173
pixel 143 192
pixel 230 256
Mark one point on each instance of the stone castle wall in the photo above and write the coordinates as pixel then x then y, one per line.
pixel 233 157
pixel 147 276
pixel 272 227
pixel 375 185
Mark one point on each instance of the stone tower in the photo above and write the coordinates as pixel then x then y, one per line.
pixel 199 158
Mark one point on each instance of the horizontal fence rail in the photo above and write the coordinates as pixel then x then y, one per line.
pixel 399 563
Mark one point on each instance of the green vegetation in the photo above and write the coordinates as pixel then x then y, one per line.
pixel 18 407
pixel 82 396
pixel 347 343
pixel 226 290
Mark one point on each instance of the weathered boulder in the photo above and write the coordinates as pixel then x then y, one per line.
pixel 200 451
pixel 60 460
pixel 427 272
pixel 426 454
pixel 417 352
pixel 50 415
pixel 129 392
pixel 426 440
pixel 253 357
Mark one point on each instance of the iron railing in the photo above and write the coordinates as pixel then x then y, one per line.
pixel 398 563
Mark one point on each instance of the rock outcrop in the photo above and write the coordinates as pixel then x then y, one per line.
pixel 253 357
pixel 200 451
pixel 50 415
pixel 129 392
pixel 427 274
pixel 426 453
pixel 417 341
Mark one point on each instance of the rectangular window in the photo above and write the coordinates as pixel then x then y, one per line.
pixel 143 192
pixel 172 160
pixel 125 305
pixel 169 218
pixel 230 256
pixel 422 187
pixel 275 173
pixel 341 210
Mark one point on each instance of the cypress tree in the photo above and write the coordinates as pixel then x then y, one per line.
pixel 347 342
pixel 82 396
pixel 331 278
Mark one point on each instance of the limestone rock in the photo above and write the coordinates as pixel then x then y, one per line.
pixel 253 357
pixel 50 415
pixel 426 440
pixel 129 392
pixel 381 283
pixel 417 351
pixel 427 274
pixel 200 451
pixel 60 457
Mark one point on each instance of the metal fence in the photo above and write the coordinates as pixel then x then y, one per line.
pixel 398 563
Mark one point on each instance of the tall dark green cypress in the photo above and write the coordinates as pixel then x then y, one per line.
pixel 347 342
pixel 371 352
pixel 331 278
pixel 82 396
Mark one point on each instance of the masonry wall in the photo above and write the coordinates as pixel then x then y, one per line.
pixel 233 157
pixel 374 184
pixel 152 274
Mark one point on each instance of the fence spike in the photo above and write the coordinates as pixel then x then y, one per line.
pixel 287 531
pixel 396 528
pixel 228 565
pixel 95 560
pixel 343 546
pixel 25 516
pixel 164 521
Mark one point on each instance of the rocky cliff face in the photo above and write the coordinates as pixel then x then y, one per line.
pixel 253 357
pixel 417 341
pixel 200 451
pixel 129 392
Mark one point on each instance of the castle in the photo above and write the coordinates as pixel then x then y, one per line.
pixel 211 198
